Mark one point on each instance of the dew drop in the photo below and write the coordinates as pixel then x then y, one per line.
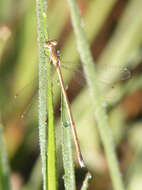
pixel 66 123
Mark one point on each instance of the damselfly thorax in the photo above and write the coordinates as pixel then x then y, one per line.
pixel 54 56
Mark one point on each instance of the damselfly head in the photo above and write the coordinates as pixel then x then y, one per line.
pixel 50 43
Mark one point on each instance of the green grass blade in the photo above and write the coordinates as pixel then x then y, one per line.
pixel 52 182
pixel 51 163
pixel 100 114
pixel 4 169
pixel 69 176
pixel 40 9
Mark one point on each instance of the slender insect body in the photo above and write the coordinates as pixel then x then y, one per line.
pixel 55 59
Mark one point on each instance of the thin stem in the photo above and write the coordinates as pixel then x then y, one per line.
pixel 100 114
pixel 52 181
pixel 40 10
pixel 51 162
pixel 67 152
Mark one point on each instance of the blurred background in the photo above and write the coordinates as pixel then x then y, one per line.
pixel 113 29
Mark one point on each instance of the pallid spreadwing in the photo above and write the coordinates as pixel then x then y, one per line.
pixel 55 60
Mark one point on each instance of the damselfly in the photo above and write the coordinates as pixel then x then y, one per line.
pixel 55 60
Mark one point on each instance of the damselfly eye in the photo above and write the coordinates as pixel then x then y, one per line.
pixel 47 44
pixel 50 44
pixel 54 42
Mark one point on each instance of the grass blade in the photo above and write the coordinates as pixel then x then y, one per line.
pixel 52 182
pixel 100 114
pixel 69 177
pixel 44 72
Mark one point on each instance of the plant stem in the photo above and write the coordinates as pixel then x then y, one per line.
pixel 100 114
pixel 40 9
pixel 69 176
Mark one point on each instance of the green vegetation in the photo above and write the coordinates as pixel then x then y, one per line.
pixel 30 156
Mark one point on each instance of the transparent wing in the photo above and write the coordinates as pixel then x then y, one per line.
pixel 21 103
pixel 124 73
pixel 74 79
pixel 111 89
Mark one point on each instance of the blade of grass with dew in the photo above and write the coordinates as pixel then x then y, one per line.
pixel 52 181
pixel 69 176
pixel 4 169
pixel 100 114
pixel 42 91
pixel 44 72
